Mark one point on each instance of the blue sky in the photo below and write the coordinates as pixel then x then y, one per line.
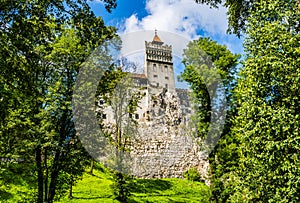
pixel 123 11
pixel 183 17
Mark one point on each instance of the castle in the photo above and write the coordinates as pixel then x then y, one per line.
pixel 162 146
pixel 157 80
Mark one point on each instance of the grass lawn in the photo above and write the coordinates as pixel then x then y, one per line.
pixel 96 188
pixel 18 185
pixel 21 187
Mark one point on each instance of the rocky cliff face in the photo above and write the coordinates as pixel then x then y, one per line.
pixel 164 146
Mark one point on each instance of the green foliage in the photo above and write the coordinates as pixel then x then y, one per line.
pixel 205 62
pixel 17 183
pixel 119 92
pixel 42 46
pixel 192 174
pixel 238 13
pixel 267 123
pixel 121 187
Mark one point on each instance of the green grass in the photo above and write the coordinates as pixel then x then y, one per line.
pixel 96 188
pixel 93 188
pixel 20 186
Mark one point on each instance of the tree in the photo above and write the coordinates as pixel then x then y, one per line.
pixel 267 123
pixel 238 13
pixel 205 60
pixel 121 97
pixel 36 69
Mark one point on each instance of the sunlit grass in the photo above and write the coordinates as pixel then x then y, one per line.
pixel 21 187
pixel 96 188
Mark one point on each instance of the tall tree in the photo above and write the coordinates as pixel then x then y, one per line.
pixel 38 72
pixel 121 96
pixel 267 124
pixel 206 64
pixel 205 61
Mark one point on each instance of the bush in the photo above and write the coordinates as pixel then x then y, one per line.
pixel 192 174
pixel 121 187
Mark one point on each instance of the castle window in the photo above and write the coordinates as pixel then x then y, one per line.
pixel 155 76
pixel 157 84
pixel 167 86
pixel 101 102
pixel 166 69
pixel 104 116
pixel 154 67
pixel 167 78
pixel 136 116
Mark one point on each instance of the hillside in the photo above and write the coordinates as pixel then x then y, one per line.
pixel 96 188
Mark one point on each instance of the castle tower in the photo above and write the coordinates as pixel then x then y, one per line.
pixel 159 65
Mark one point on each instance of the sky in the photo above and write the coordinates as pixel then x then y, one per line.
pixel 182 17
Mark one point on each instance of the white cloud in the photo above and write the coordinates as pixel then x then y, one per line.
pixel 186 18
pixel 177 22
pixel 183 17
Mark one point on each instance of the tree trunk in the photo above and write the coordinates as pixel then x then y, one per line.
pixel 71 190
pixel 38 159
pixel 54 177
pixel 46 175
pixel 92 167
pixel 56 166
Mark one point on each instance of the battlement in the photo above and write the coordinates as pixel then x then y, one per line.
pixel 158 52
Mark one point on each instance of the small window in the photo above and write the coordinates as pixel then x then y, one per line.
pixel 137 116
pixel 154 67
pixel 157 84
pixel 101 102
pixel 167 86
pixel 166 69
pixel 155 76
pixel 167 78
pixel 103 116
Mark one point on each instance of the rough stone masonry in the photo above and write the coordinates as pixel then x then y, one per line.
pixel 163 145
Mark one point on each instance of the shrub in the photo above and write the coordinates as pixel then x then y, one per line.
pixel 192 174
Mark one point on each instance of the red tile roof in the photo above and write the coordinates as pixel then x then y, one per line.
pixel 136 75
